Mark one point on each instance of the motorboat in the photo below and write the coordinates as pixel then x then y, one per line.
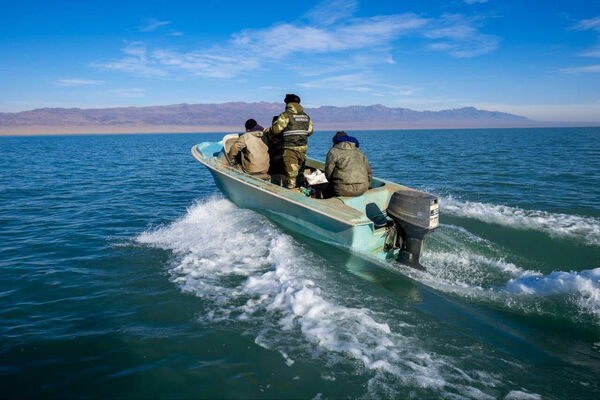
pixel 390 221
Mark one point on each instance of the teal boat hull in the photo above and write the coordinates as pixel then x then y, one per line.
pixel 353 223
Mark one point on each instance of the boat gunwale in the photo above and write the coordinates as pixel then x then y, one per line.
pixel 198 156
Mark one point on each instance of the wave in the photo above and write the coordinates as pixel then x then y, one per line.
pixel 467 273
pixel 467 234
pixel 455 256
pixel 469 269
pixel 249 272
pixel 582 286
pixel 576 227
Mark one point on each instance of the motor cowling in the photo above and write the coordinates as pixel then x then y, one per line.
pixel 415 214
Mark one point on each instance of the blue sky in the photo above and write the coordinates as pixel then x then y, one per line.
pixel 540 59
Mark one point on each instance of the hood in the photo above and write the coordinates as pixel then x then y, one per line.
pixel 294 108
pixel 257 128
pixel 258 134
pixel 347 138
pixel 344 145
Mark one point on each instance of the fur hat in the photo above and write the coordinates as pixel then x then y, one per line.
pixel 291 98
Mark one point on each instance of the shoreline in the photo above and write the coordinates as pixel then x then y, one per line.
pixel 167 129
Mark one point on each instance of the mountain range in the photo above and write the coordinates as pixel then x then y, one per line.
pixel 232 115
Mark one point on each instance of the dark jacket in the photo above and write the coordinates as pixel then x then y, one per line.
pixel 347 169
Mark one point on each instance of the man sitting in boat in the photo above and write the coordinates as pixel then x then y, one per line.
pixel 346 167
pixel 253 152
pixel 293 126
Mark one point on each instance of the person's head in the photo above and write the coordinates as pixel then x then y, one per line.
pixel 291 98
pixel 250 124
pixel 338 135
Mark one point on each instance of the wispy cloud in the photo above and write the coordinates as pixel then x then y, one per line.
pixel 577 70
pixel 594 52
pixel 590 24
pixel 454 34
pixel 76 82
pixel 475 1
pixel 586 24
pixel 358 82
pixel 151 24
pixel 127 92
pixel 351 61
pixel 216 65
pixel 136 62
pixel 283 39
pixel 332 30
pixel 329 12
pixel 278 42
pixel 460 37
pixel 353 82
pixel 139 61
pixel 267 87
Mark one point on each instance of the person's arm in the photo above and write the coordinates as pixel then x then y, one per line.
pixel 235 149
pixel 369 170
pixel 310 128
pixel 329 166
pixel 280 124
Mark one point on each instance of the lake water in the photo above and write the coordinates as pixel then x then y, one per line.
pixel 125 273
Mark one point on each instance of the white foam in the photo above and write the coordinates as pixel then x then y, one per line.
pixel 470 236
pixel 520 395
pixel 582 286
pixel 586 229
pixel 250 273
pixel 466 269
pixel 467 273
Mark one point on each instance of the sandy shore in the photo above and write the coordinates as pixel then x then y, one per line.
pixel 113 129
pixel 129 129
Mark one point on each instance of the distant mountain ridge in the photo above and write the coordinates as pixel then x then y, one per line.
pixel 233 114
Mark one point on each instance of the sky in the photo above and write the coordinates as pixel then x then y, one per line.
pixel 540 59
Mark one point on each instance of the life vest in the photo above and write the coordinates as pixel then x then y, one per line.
pixel 296 132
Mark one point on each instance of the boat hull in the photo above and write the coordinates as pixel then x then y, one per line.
pixel 331 220
pixel 304 221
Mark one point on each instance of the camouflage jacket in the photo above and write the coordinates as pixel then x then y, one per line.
pixel 347 165
pixel 294 125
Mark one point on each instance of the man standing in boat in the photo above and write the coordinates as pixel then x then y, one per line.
pixel 294 126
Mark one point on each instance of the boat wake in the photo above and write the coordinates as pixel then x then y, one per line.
pixel 582 288
pixel 585 229
pixel 251 274
pixel 462 263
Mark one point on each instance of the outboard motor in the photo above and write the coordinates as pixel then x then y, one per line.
pixel 415 214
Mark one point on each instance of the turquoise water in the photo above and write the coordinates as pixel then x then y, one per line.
pixel 125 273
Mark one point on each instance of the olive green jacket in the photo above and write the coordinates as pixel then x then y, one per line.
pixel 348 170
pixel 282 124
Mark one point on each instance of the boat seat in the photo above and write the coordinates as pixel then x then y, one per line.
pixel 375 214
